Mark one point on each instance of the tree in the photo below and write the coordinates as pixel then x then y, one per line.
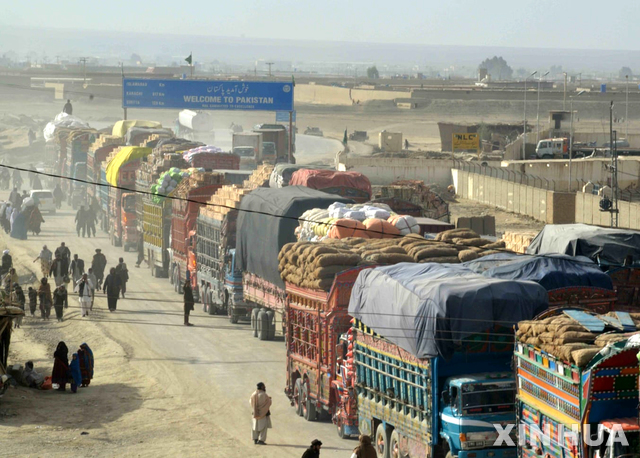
pixel 624 72
pixel 497 67
pixel 372 72
pixel 135 59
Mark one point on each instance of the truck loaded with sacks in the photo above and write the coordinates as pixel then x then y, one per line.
pixel 577 394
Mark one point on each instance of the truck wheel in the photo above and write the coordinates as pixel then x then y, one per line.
pixel 233 318
pixel 394 446
pixel 254 321
pixel 271 322
pixel 211 305
pixel 382 441
pixel 309 408
pixel 263 325
pixel 297 396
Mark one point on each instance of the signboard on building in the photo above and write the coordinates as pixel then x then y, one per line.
pixel 466 141
pixel 207 95
pixel 283 116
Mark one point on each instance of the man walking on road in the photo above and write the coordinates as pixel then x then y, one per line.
pixel 81 221
pixel 60 301
pixel 112 288
pixel 188 302
pixel 92 278
pixel 314 450
pixel 64 252
pixel 260 404
pixel 59 269
pixel 45 258
pixel 76 269
pixel 84 294
pixel 123 273
pixel 98 264
pixel 68 108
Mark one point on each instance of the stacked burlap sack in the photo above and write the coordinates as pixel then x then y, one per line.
pixel 315 264
pixel 566 339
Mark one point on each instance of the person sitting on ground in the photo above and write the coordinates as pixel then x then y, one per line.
pixel 31 377
pixel 314 450
pixel 365 449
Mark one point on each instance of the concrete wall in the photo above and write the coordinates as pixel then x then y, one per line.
pixel 386 170
pixel 330 95
pixel 541 204
pixel 588 211
pixel 581 169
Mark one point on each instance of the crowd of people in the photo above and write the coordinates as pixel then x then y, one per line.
pixel 86 219
pixel 67 272
pixel 20 215
pixel 77 372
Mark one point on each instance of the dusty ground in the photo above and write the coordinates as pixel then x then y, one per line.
pixel 505 221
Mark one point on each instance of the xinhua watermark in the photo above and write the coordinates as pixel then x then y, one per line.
pixel 529 434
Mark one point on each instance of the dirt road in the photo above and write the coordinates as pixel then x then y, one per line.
pixel 160 388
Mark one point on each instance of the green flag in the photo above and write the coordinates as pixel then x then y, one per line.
pixel 190 58
pixel 344 139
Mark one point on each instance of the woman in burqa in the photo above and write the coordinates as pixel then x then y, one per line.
pixel 75 375
pixel 85 355
pixel 60 372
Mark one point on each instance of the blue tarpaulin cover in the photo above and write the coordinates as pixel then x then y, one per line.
pixel 427 309
pixel 610 246
pixel 550 271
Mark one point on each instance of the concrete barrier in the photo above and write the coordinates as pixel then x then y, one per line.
pixel 587 211
pixel 551 207
pixel 331 95
pixel 386 170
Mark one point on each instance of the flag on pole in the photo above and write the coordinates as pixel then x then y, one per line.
pixel 190 58
pixel 344 139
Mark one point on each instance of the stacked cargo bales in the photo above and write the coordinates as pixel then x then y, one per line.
pixel 314 265
pixel 518 242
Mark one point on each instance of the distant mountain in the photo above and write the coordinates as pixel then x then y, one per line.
pixel 245 51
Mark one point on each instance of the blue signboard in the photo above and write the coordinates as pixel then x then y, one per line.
pixel 283 116
pixel 207 95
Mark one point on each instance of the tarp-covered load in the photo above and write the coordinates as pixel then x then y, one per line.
pixel 333 182
pixel 281 175
pixel 63 120
pixel 267 221
pixel 427 309
pixel 136 134
pixel 120 128
pixel 606 245
pixel 124 156
pixel 550 271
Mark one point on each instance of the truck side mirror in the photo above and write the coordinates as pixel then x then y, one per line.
pixel 446 399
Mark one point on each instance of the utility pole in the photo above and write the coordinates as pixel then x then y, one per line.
pixel 626 116
pixel 84 67
pixel 122 72
pixel 538 110
pixel 564 97
pixel 524 127
pixel 269 64
pixel 571 136
pixel 614 169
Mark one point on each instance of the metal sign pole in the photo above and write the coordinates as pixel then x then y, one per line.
pixel 290 134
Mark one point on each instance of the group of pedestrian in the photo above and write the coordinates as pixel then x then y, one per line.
pixel 78 372
pixel 20 215
pixel 86 220
pixel 261 403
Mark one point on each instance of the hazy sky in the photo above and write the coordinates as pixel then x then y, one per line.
pixel 586 24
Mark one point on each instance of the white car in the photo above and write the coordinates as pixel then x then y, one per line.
pixel 45 200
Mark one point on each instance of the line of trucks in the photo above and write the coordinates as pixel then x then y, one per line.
pixel 418 355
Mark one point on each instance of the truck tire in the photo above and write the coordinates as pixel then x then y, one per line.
pixel 254 321
pixel 297 396
pixel 394 446
pixel 263 325
pixel 271 320
pixel 381 442
pixel 308 407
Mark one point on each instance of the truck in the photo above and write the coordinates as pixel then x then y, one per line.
pixel 616 252
pixel 315 321
pixel 95 157
pixel 79 192
pixel 424 373
pixel 218 279
pixel 191 194
pixel 247 145
pixel 558 148
pixel 78 143
pixel 267 221
pixel 573 403
pixel 275 141
pixel 120 174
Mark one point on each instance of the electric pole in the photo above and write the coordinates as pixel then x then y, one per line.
pixel 83 60
pixel 269 64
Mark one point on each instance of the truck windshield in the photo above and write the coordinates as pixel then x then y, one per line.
pixel 482 401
